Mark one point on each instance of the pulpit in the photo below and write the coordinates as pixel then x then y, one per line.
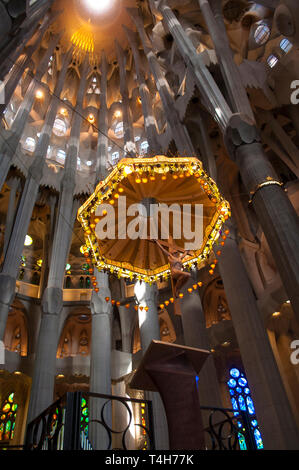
pixel 171 370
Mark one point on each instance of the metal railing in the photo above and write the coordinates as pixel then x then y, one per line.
pixel 62 425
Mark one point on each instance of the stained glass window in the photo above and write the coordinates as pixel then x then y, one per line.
pixel 84 417
pixel 285 45
pixel 272 60
pixel 262 34
pixel 241 401
pixel 8 418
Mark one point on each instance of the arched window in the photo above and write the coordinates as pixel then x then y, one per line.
pixel 262 34
pixel 119 130
pixel 285 45
pixel 240 396
pixel 59 127
pixel 144 147
pixel 8 418
pixel 29 144
pixel 87 283
pixel 272 60
pixel 115 157
pixel 60 157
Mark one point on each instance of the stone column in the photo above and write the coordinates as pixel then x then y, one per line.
pixel 16 243
pixel 274 210
pixel 230 72
pixel 150 124
pixel 20 66
pixel 146 296
pixel 64 219
pixel 10 139
pixel 11 211
pixel 102 150
pixel 278 427
pixel 129 142
pixel 196 336
pixel 179 132
pixel 100 361
pixel 211 95
pixel 45 358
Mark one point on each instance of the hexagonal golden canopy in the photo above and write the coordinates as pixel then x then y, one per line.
pixel 144 181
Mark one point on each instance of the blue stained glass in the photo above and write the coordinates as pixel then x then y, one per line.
pixel 250 405
pixel 235 373
pixel 235 404
pixel 242 381
pixel 242 403
pixel 258 439
pixel 242 442
pixel 232 383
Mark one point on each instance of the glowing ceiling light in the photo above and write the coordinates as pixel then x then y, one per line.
pixel 91 118
pixel 83 39
pixel 28 241
pixel 118 113
pixel 98 6
pixel 39 94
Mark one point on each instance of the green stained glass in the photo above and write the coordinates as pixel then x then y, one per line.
pixel 85 412
pixel 8 426
pixel 6 408
pixel 83 403
pixel 7 418
pixel 11 397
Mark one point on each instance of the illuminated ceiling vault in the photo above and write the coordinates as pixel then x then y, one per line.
pixel 98 21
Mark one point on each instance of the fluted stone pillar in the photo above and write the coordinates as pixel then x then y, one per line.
pixel 102 149
pixel 13 79
pixel 211 96
pixel 44 372
pixel 11 211
pixel 129 142
pixel 230 73
pixel 16 243
pixel 278 426
pixel 179 131
pixel 150 123
pixel 146 296
pixel 100 361
pixel 196 336
pixel 42 389
pixel 10 138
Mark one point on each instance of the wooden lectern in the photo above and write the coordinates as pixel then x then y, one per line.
pixel 171 370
